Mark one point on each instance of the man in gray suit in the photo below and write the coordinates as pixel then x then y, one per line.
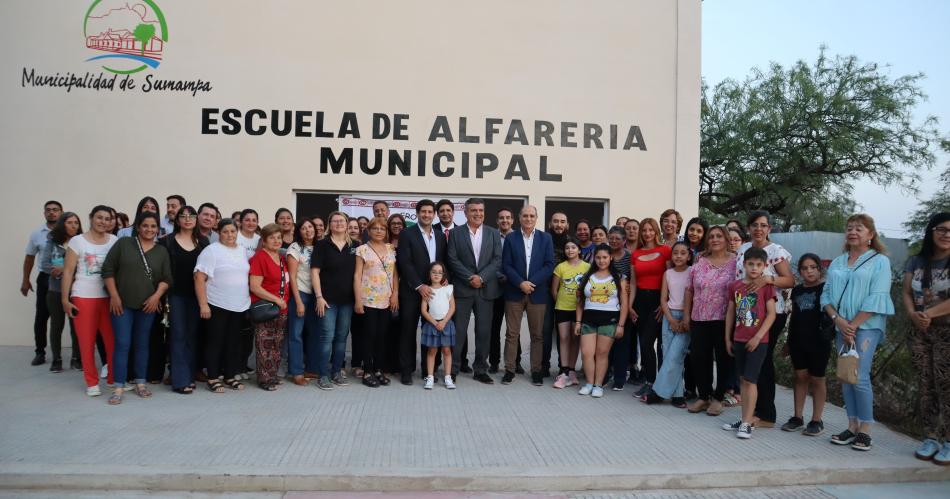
pixel 474 258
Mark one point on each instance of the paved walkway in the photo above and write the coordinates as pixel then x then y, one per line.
pixel 397 438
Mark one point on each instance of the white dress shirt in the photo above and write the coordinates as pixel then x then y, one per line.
pixel 476 238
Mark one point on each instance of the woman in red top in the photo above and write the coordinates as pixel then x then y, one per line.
pixel 649 262
pixel 268 281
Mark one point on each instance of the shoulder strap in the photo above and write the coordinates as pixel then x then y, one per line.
pixel 846 284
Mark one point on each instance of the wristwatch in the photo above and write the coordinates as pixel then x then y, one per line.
pixel 834 317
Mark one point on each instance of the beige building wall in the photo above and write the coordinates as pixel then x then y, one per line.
pixel 624 63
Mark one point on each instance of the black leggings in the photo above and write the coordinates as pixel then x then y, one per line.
pixel 648 330
pixel 708 341
pixel 223 348
pixel 372 338
pixel 765 402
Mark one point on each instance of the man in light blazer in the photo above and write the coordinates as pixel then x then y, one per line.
pixel 474 259
pixel 419 246
pixel 527 262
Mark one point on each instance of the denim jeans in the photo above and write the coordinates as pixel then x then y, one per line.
pixel 334 327
pixel 132 326
pixel 302 332
pixel 669 381
pixel 184 317
pixel 859 398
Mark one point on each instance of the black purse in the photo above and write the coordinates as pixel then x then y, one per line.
pixel 263 310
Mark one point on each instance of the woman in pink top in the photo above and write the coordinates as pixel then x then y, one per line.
pixel 705 306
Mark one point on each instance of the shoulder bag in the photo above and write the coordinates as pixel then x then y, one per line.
pixel 263 310
pixel 846 368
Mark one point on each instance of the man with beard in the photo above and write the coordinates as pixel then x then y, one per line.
pixel 34 251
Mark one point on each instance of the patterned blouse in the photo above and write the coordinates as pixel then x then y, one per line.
pixel 376 285
pixel 710 285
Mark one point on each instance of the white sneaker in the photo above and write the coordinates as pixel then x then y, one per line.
pixel 449 383
pixel 597 392
pixel 93 391
pixel 586 389
pixel 430 382
pixel 744 431
pixel 104 372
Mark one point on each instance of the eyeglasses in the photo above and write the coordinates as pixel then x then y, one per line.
pixel 941 231
pixel 187 217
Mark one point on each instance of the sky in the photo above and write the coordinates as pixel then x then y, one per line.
pixel 910 37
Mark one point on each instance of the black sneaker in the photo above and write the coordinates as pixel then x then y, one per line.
pixel 519 369
pixel 507 378
pixel 38 360
pixel 678 402
pixel 843 438
pixel 56 366
pixel 618 386
pixel 651 398
pixel 406 379
pixel 546 372
pixel 793 424
pixel 493 369
pixel 643 390
pixel 484 378
pixel 466 368
pixel 75 364
pixel 537 379
pixel 814 428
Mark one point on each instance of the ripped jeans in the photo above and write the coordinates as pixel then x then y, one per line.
pixel 859 398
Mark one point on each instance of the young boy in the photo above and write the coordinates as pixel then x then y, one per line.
pixel 748 319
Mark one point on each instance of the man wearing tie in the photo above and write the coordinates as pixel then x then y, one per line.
pixel 445 210
pixel 474 258
pixel 419 246
pixel 527 262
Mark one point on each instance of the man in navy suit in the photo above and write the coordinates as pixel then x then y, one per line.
pixel 419 246
pixel 474 257
pixel 527 262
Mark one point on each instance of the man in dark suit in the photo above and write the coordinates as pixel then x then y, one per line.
pixel 527 262
pixel 419 246
pixel 474 258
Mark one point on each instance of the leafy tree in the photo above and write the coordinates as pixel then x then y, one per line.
pixel 939 202
pixel 792 141
pixel 143 33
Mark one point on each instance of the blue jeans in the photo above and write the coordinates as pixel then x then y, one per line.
pixel 859 398
pixel 669 381
pixel 184 317
pixel 131 326
pixel 302 332
pixel 334 327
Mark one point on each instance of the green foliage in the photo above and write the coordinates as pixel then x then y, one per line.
pixel 791 140
pixel 143 33
pixel 939 202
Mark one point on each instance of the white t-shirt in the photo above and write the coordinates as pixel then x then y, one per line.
pixel 302 255
pixel 776 254
pixel 87 282
pixel 439 302
pixel 602 294
pixel 249 243
pixel 227 271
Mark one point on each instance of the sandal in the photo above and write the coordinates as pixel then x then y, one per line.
pixel 115 399
pixel 268 386
pixel 382 379
pixel 143 391
pixel 192 386
pixel 234 384
pixel 862 441
pixel 370 381
pixel 215 385
pixel 185 390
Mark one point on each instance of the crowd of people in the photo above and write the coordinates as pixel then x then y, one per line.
pixel 690 318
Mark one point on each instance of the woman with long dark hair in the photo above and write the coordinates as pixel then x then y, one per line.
pixel 857 297
pixel 84 295
pixel 184 245
pixel 695 234
pixel 602 303
pixel 67 226
pixel 148 204
pixel 285 220
pixel 631 230
pixel 302 315
pixel 137 273
pixel 926 299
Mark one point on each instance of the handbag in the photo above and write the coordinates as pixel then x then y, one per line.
pixel 826 327
pixel 847 367
pixel 263 310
